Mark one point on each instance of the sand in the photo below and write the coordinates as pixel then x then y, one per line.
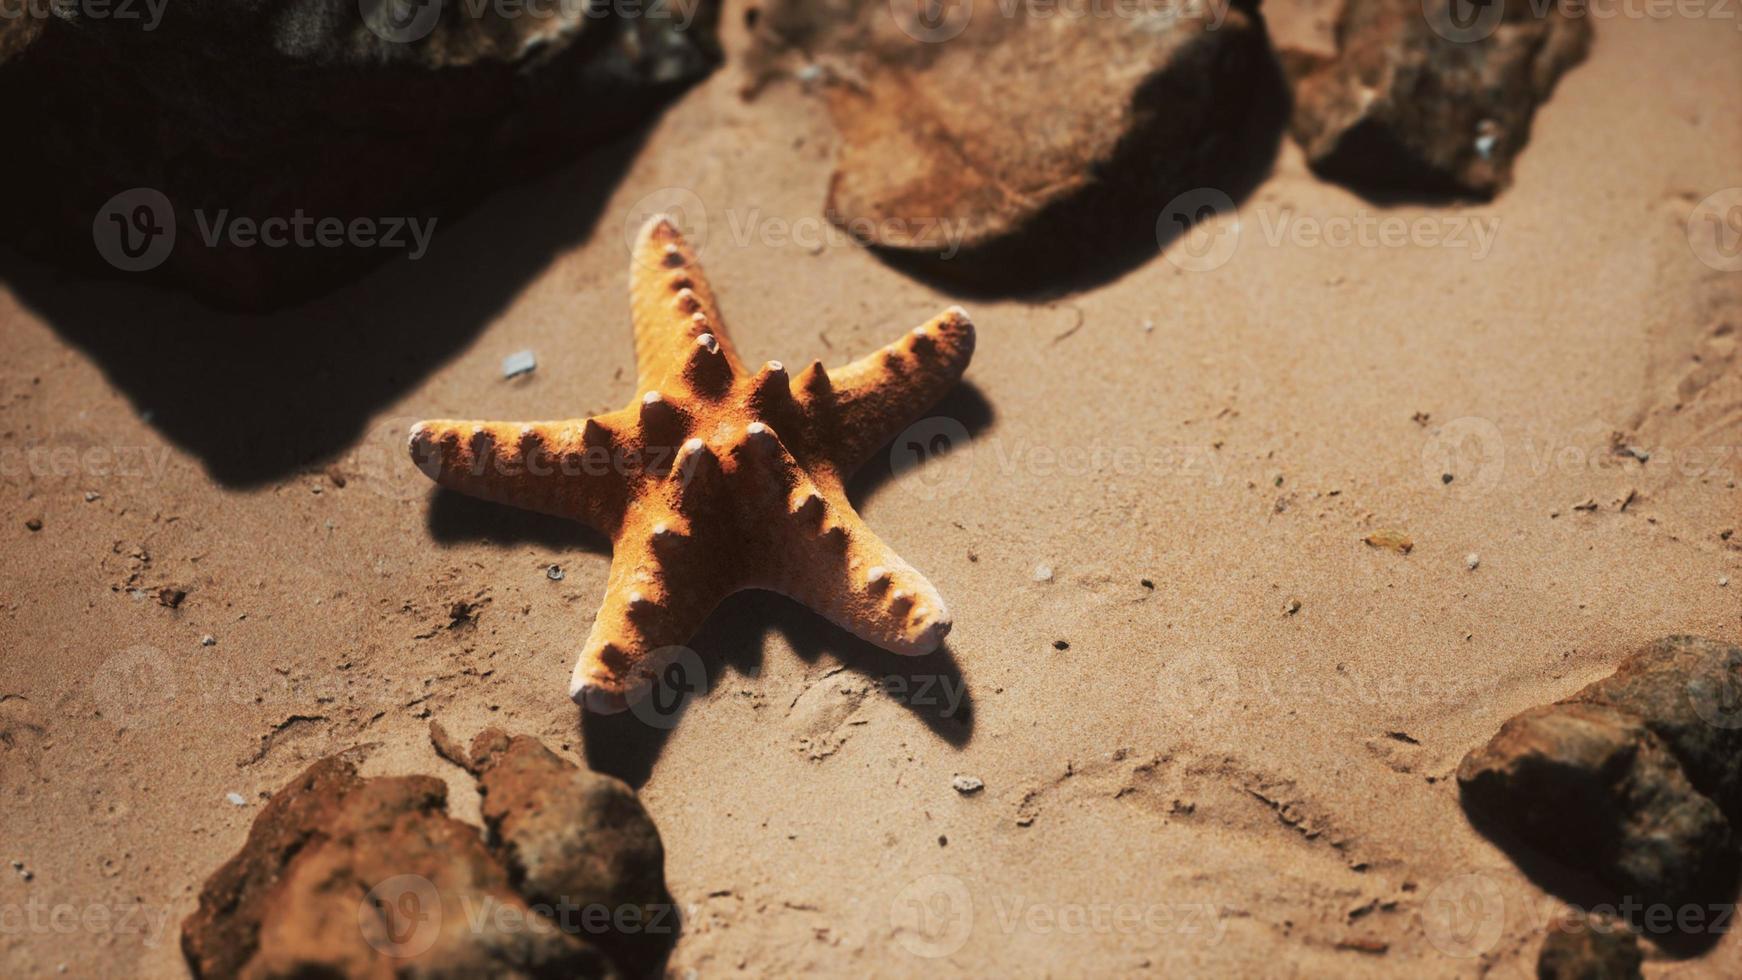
pixel 1199 782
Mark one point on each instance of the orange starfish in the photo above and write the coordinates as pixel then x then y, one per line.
pixel 715 479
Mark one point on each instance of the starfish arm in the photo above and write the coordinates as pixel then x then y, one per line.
pixel 848 575
pixel 671 306
pixel 658 595
pixel 878 395
pixel 569 469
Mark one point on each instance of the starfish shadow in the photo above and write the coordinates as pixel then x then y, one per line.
pixel 732 642
pixel 259 397
pixel 454 517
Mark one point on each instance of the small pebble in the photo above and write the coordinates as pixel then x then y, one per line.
pixel 1723 580
pixel 208 640
pixel 1471 560
pixel 1043 573
pixel 91 495
pixel 1148 326
pixel 236 799
pixel 1061 645
pixel 966 784
pixel 554 573
pixel 518 363
pixel 1292 607
pixel 1446 478
pixel 34 524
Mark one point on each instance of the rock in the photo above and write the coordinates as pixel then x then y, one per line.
pixel 967 785
pixel 1633 779
pixel 570 834
pixel 1684 688
pixel 347 876
pixel 1425 104
pixel 1589 949
pixel 997 148
pixel 239 111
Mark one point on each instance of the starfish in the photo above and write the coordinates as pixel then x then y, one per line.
pixel 716 479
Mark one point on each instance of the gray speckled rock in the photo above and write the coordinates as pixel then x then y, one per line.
pixel 1433 97
pixel 262 109
pixel 1632 779
pixel 577 838
pixel 1589 949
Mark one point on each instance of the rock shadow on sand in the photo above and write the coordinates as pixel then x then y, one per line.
pixel 260 397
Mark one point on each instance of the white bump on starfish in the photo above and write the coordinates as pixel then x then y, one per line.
pixel 708 343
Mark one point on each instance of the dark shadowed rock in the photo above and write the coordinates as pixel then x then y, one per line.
pixel 1001 147
pixel 1688 691
pixel 347 876
pixel 579 839
pixel 245 111
pixel 1632 779
pixel 1589 949
pixel 1433 96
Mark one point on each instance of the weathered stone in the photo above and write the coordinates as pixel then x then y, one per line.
pixel 577 839
pixel 346 876
pixel 1578 948
pixel 1686 689
pixel 255 110
pixel 1615 780
pixel 1435 97
pixel 1002 145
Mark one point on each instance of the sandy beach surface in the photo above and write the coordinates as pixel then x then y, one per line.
pixel 1214 729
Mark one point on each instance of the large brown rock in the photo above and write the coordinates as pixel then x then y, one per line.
pixel 252 110
pixel 1632 779
pixel 1433 96
pixel 1004 145
pixel 355 877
